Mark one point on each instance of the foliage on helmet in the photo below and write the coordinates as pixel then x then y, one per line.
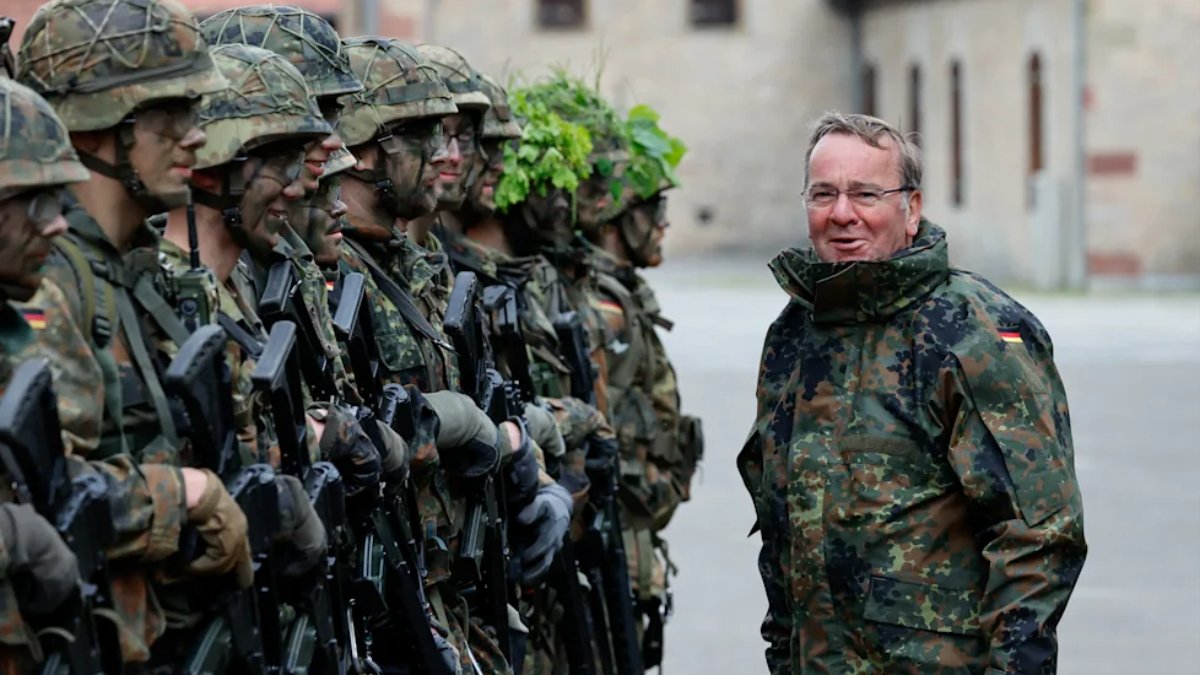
pixel 35 150
pixel 553 153
pixel 654 156
pixel 96 61
pixel 399 85
pixel 305 39
pixel 265 101
pixel 498 121
pixel 461 79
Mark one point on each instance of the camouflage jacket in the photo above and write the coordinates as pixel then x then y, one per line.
pixel 643 395
pixel 568 284
pixel 912 472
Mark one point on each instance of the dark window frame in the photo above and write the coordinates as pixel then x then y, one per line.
pixel 915 113
pixel 869 89
pixel 957 160
pixel 546 21
pixel 728 15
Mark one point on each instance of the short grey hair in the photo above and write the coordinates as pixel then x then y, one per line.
pixel 872 130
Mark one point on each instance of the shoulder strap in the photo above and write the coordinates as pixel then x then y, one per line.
pixel 240 335
pixel 623 372
pixel 399 297
pixel 98 327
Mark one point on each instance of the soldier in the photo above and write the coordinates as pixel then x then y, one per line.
pixel 132 119
pixel 911 463
pixel 36 163
pixel 661 446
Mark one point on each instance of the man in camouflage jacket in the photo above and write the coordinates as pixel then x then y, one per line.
pixel 911 464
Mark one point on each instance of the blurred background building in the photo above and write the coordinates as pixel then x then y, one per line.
pixel 1061 137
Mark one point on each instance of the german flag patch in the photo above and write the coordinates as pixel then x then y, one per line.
pixel 329 284
pixel 1012 336
pixel 610 307
pixel 36 318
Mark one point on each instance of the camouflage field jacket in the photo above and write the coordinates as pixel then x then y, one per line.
pixel 912 473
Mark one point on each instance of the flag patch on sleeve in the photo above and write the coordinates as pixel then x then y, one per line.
pixel 1011 336
pixel 329 284
pixel 36 318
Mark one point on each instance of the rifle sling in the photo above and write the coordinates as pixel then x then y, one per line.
pixel 160 311
pixel 400 297
pixel 141 357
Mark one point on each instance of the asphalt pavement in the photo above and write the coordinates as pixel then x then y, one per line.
pixel 1131 366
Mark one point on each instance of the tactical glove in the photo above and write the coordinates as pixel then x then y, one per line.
pixel 601 463
pixel 548 517
pixel 350 449
pixel 222 526
pixel 469 443
pixel 544 430
pixel 300 527
pixel 393 451
pixel 35 549
pixel 521 473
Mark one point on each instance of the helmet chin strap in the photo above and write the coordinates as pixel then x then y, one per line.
pixel 122 170
pixel 389 199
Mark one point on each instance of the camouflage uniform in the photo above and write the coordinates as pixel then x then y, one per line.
pixel 90 58
pixel 912 472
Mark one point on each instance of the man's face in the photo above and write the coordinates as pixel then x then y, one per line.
pixel 317 219
pixel 847 229
pixel 551 217
pixel 595 194
pixel 414 155
pixel 481 194
pixel 643 226
pixel 166 136
pixel 458 134
pixel 28 222
pixel 274 180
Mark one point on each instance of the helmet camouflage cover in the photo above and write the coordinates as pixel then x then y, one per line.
pixel 96 61
pixel 461 79
pixel 266 100
pixel 35 150
pixel 305 39
pixel 498 121
pixel 400 84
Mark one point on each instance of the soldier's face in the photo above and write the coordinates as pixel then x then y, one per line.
pixel 414 155
pixel 643 227
pixel 490 164
pixel 316 153
pixel 846 230
pixel 28 222
pixel 274 180
pixel 458 135
pixel 166 137
pixel 317 219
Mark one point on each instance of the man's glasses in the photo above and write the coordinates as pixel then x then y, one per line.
pixel 45 206
pixel 172 119
pixel 823 195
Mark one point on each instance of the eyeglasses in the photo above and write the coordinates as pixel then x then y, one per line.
pixel 421 136
pixel 823 195
pixel 466 138
pixel 655 209
pixel 282 167
pixel 171 119
pixel 45 205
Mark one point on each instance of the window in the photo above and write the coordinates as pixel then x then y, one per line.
pixel 914 102
pixel 709 13
pixel 956 134
pixel 561 14
pixel 867 89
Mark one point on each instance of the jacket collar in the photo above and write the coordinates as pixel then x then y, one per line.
pixel 866 291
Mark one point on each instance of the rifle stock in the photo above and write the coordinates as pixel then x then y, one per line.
pixel 32 454
pixel 282 301
pixel 356 331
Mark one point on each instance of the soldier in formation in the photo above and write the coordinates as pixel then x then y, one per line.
pixel 324 355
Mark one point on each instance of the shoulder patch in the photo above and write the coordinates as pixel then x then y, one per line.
pixel 610 306
pixel 35 317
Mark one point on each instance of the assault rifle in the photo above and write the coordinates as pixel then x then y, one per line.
pixel 322 631
pixel 391 613
pixel 32 454
pixel 482 562
pixel 245 628
pixel 282 300
pixel 602 549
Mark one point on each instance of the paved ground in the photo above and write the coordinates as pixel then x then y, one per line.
pixel 1131 364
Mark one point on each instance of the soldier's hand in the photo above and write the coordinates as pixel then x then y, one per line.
pixel 36 552
pixel 548 516
pixel 522 475
pixel 469 444
pixel 221 524
pixel 544 429
pixel 301 528
pixel 602 462
pixel 350 449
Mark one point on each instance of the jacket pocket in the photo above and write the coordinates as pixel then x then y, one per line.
pixel 926 607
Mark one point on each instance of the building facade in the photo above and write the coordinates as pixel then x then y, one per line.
pixel 1061 137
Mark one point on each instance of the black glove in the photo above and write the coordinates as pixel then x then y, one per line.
pixel 35 551
pixel 350 449
pixel 601 463
pixel 549 516
pixel 300 527
pixel 521 473
pixel 469 444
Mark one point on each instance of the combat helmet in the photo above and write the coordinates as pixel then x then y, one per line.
pixel 98 61
pixel 265 101
pixel 498 121
pixel 35 150
pixel 399 85
pixel 305 39
pixel 465 85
